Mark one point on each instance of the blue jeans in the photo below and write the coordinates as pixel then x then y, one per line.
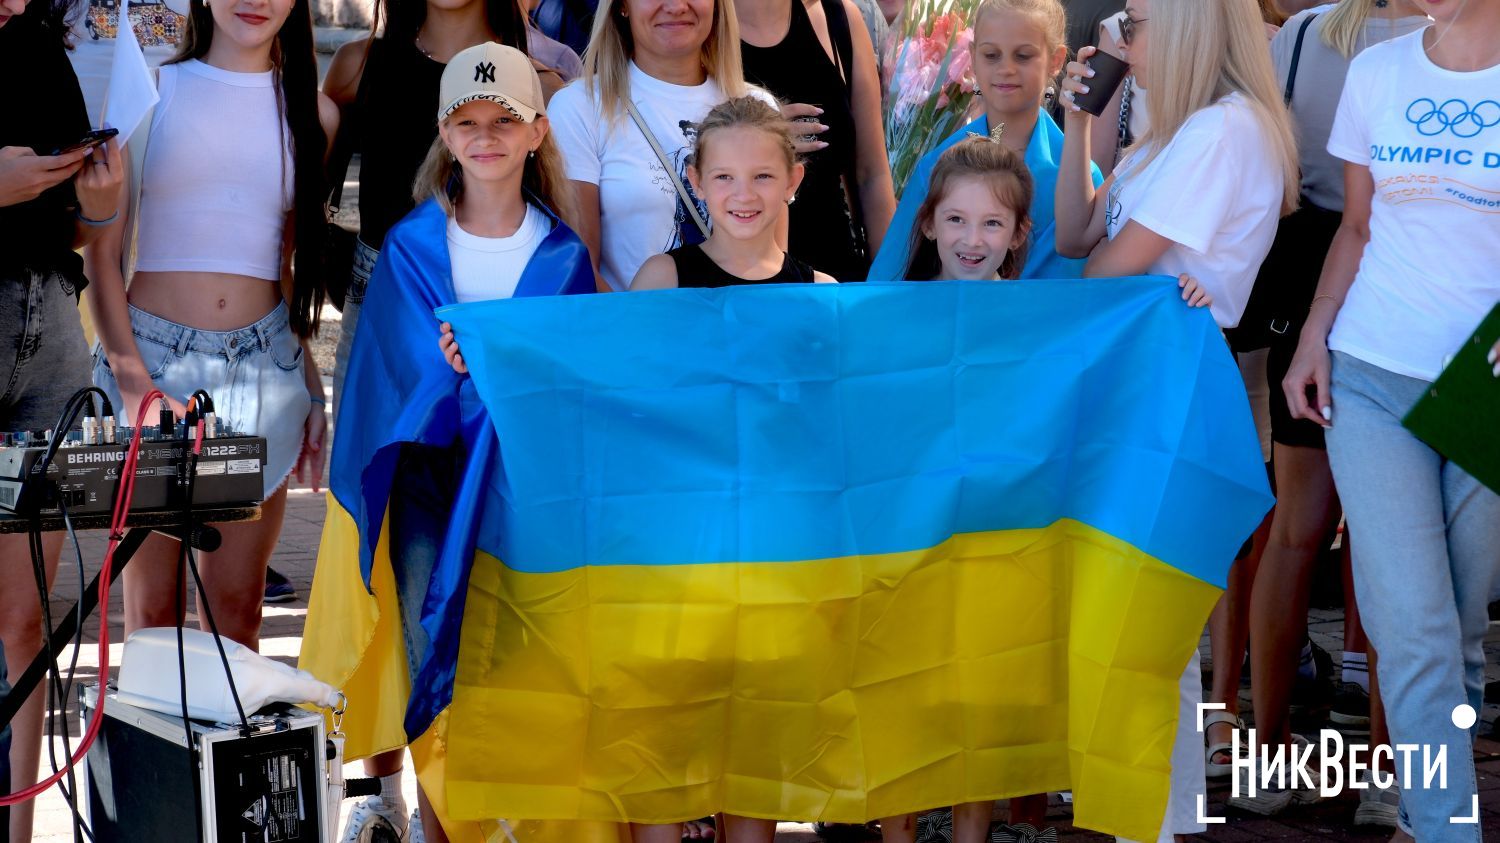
pixel 1426 553
pixel 359 280
pixel 419 509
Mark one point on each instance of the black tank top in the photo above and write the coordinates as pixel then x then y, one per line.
pixel 696 269
pixel 396 124
pixel 799 70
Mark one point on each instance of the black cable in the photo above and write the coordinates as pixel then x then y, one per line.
pixel 54 694
pixel 187 722
pixel 202 406
pixel 65 421
pixel 79 825
pixel 208 615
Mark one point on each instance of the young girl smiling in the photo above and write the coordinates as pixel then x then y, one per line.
pixel 1018 51
pixel 973 226
pixel 748 176
pixel 974 222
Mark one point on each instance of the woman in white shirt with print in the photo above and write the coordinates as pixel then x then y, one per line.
pixel 673 60
pixel 1409 277
pixel 1199 194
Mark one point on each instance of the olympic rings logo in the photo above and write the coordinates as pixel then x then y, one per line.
pixel 1455 115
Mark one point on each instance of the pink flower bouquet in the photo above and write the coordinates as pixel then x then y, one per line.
pixel 929 87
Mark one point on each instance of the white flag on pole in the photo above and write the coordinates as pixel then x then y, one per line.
pixel 132 89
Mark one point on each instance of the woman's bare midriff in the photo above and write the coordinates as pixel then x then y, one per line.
pixel 208 301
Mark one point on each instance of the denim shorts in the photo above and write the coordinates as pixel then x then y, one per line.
pixel 43 357
pixel 254 375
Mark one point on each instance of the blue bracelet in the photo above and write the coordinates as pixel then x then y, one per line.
pixel 86 221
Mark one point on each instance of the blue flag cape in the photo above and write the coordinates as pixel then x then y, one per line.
pixel 400 390
pixel 1042 156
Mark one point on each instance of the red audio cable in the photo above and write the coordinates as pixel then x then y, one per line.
pixel 119 516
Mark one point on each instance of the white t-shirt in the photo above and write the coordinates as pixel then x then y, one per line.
pixel 640 212
pixel 486 268
pixel 1431 271
pixel 1215 191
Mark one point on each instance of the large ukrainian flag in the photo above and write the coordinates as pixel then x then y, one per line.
pixel 840 552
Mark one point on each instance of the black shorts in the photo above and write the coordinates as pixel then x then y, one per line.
pixel 1286 430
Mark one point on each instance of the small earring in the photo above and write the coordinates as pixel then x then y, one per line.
pixel 531 154
pixel 978 89
pixel 1050 95
pixel 792 199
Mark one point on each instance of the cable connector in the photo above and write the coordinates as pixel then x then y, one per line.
pixel 165 420
pixel 90 424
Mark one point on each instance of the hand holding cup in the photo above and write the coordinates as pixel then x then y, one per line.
pixel 1090 81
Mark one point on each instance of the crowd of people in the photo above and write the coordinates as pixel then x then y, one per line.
pixel 1324 180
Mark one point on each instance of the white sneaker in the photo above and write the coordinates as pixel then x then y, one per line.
pixel 373 820
pixel 1379 806
pixel 415 834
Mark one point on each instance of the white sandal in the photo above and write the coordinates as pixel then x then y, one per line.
pixel 1213 718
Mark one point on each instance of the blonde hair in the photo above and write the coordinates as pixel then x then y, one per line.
pixel 1048 15
pixel 970 159
pixel 1201 51
pixel 606 62
pixel 441 178
pixel 1343 28
pixel 745 112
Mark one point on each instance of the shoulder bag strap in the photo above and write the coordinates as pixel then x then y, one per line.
pixel 1291 76
pixel 666 164
pixel 843 43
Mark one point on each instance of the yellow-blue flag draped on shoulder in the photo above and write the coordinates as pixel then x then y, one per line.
pixel 825 552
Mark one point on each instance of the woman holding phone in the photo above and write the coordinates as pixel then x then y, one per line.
pixel 50 204
pixel 1200 193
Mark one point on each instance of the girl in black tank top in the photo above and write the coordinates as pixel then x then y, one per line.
pixel 696 269
pixel 749 176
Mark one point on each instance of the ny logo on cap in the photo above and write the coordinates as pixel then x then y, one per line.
pixel 484 72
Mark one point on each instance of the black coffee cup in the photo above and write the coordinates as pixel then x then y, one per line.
pixel 1109 72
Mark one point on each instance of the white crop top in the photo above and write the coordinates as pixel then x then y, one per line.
pixel 217 185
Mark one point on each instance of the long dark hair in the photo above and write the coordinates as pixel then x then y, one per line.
pixel 296 71
pixel 973 158
pixel 403 20
pixel 49 18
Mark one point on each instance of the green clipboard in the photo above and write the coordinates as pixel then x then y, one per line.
pixel 1460 414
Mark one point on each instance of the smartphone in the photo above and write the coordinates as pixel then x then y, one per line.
pixel 88 141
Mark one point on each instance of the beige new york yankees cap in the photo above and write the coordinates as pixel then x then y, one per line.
pixel 491 72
